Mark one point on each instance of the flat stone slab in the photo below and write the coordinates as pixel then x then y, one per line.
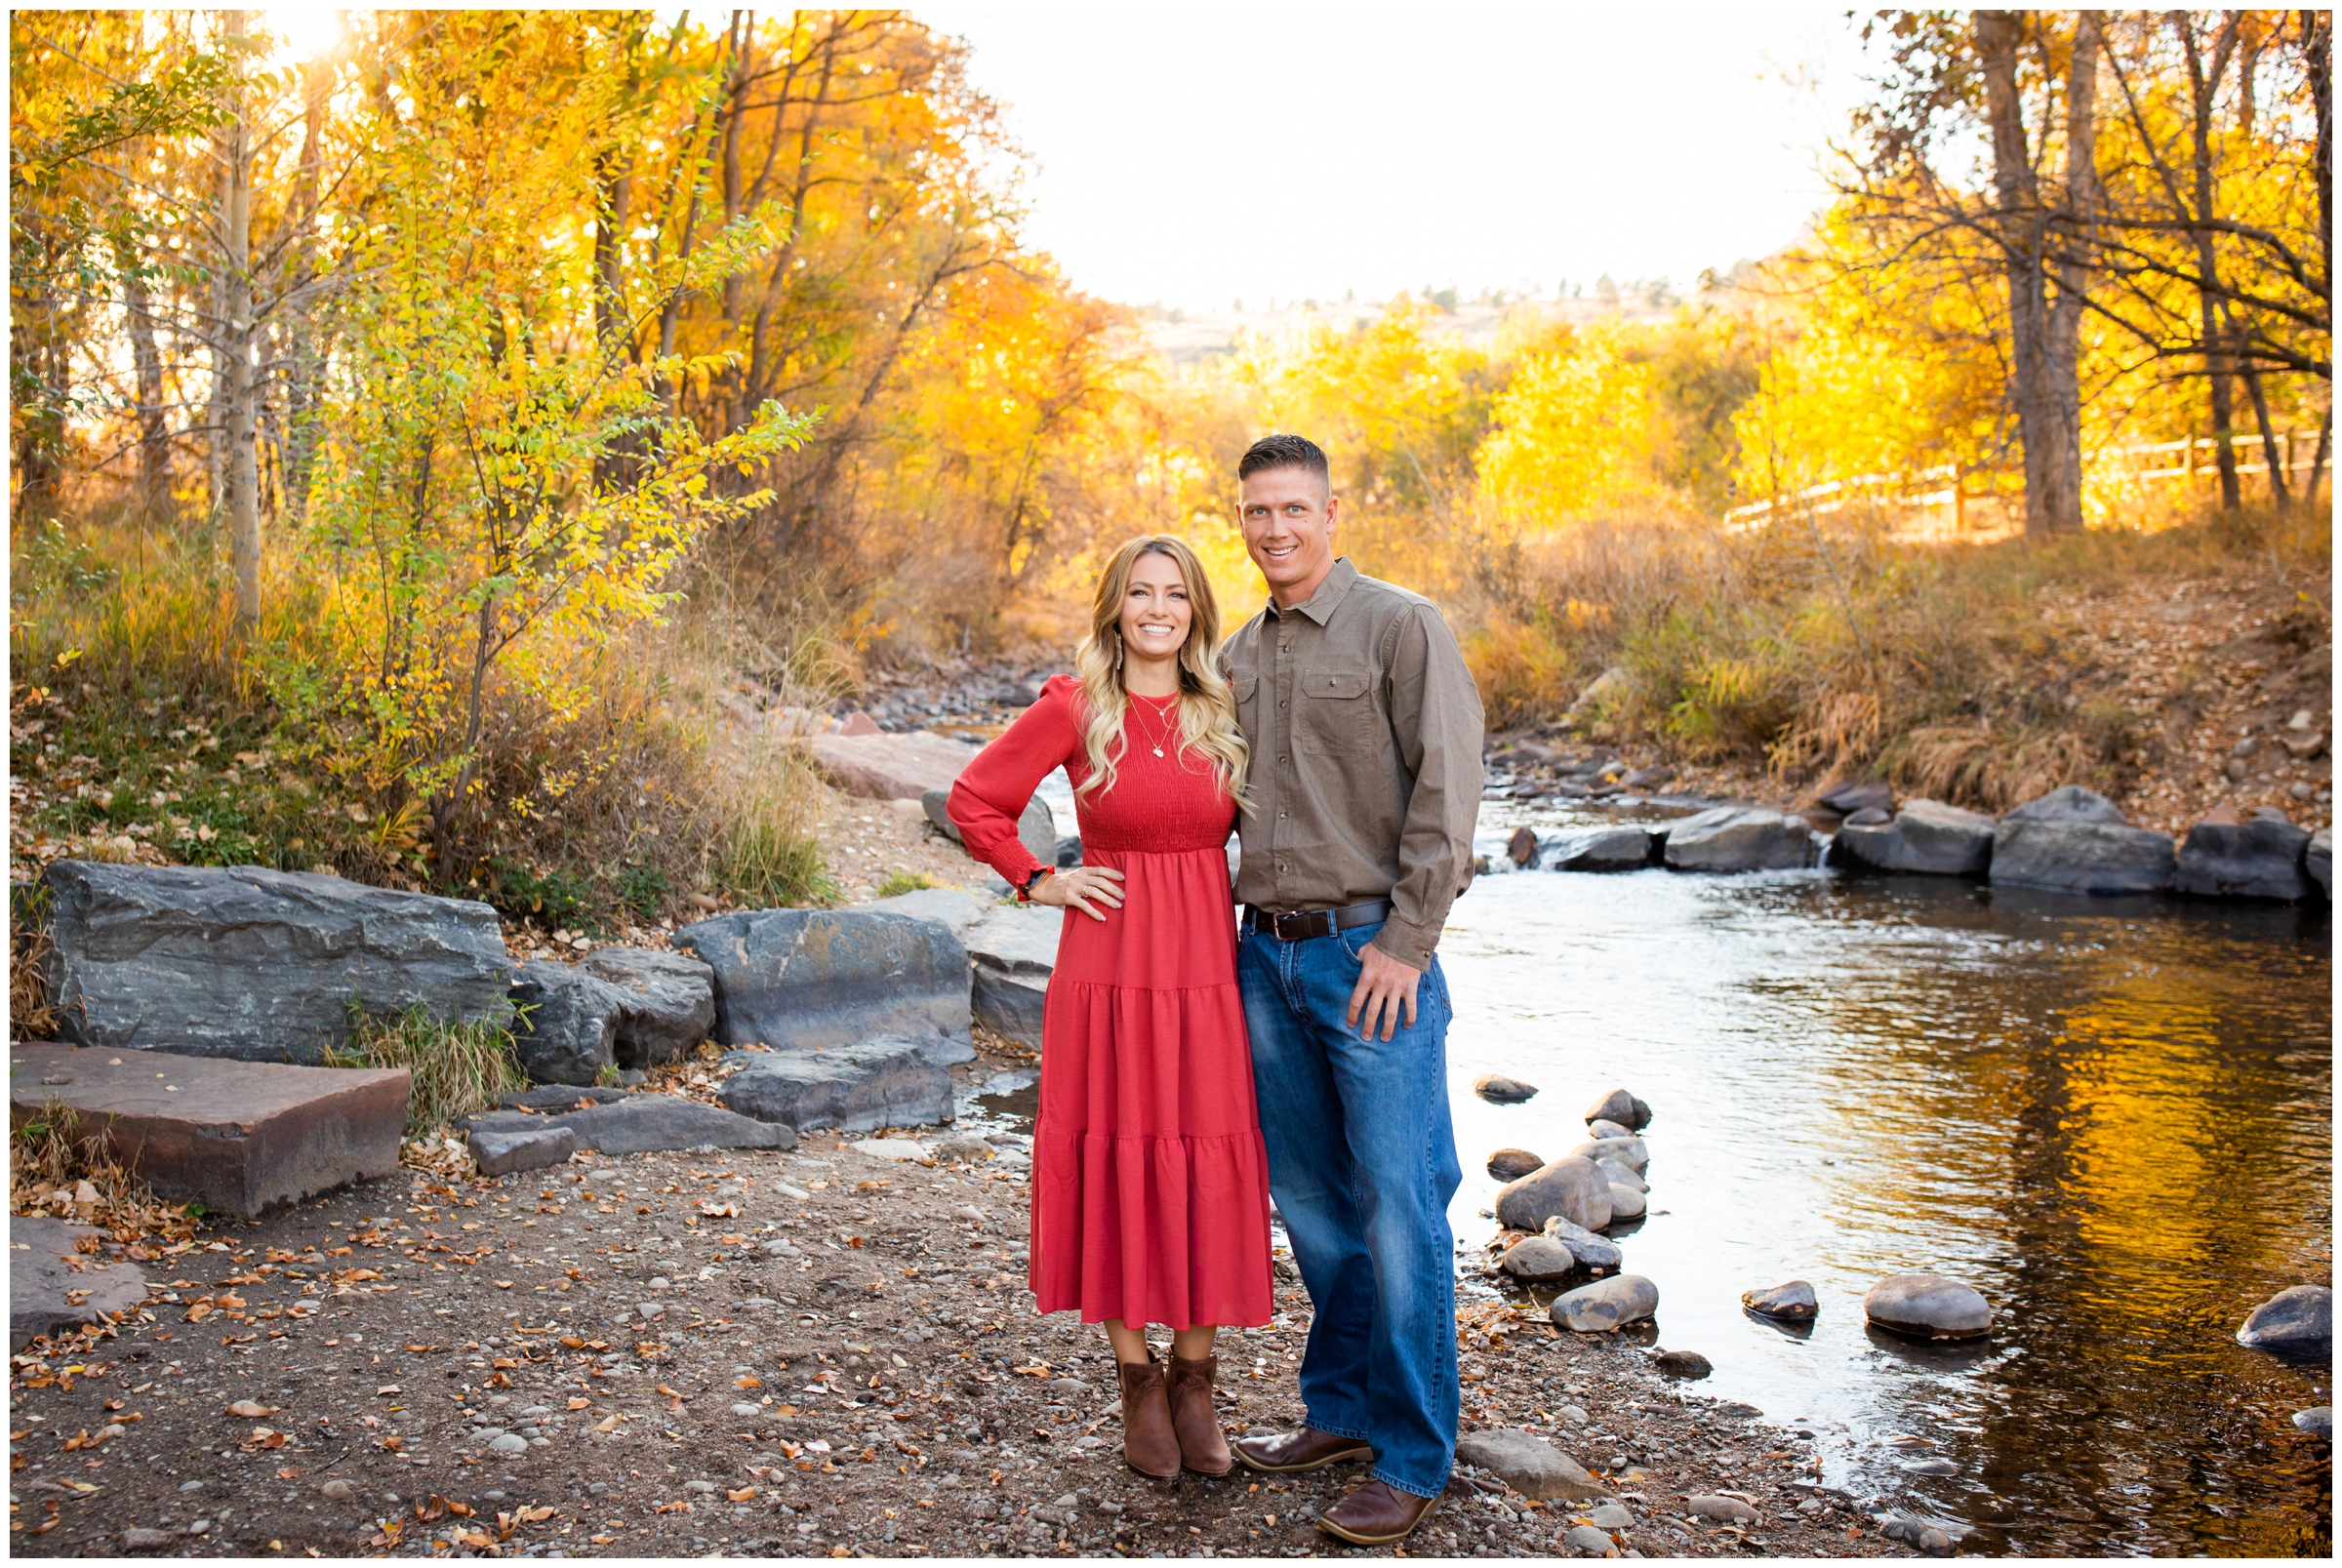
pixel 503 1150
pixel 1926 837
pixel 960 908
pixel 793 978
pixel 890 767
pixel 1739 838
pixel 1528 1464
pixel 641 1123
pixel 259 965
pixel 868 1084
pixel 233 1136
pixel 51 1285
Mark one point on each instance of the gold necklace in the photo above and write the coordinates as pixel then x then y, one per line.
pixel 1135 703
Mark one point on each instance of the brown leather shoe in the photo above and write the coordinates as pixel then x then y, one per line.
pixel 1374 1515
pixel 1308 1449
pixel 1149 1445
pixel 1202 1448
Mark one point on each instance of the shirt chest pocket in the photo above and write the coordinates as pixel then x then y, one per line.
pixel 1337 714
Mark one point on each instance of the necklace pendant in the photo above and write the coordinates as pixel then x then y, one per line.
pixel 1159 750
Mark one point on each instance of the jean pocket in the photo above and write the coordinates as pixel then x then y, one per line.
pixel 1353 941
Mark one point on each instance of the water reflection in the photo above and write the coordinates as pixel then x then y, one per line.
pixel 2111 1116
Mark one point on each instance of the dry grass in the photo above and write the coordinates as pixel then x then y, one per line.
pixel 59 1166
pixel 456 1069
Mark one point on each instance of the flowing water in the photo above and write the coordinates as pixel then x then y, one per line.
pixel 2112 1116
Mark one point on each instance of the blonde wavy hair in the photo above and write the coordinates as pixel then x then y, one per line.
pixel 1207 708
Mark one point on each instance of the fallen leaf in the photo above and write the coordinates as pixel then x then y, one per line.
pixel 743 1495
pixel 250 1410
pixel 752 1380
pixel 580 1404
pixel 534 1516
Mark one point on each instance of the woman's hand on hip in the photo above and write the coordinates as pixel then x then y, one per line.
pixel 1079 887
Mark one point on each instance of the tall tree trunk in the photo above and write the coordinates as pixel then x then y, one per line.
pixel 2061 358
pixel 2022 232
pixel 2204 87
pixel 305 356
pixel 146 373
pixel 239 385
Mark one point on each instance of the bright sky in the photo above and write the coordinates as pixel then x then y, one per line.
pixel 1198 154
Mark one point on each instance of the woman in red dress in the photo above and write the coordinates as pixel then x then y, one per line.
pixel 1151 1181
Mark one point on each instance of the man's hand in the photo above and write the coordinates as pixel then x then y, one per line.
pixel 1384 984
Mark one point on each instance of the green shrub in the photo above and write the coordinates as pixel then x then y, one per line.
pixel 456 1069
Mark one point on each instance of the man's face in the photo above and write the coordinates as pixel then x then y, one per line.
pixel 1288 520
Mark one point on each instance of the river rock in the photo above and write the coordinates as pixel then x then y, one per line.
pixel 890 767
pixel 1606 1305
pixel 565 1022
pixel 1037 828
pixel 1497 1088
pixel 1621 1108
pixel 1511 1165
pixel 2260 858
pixel 1521 848
pixel 556 1097
pixel 1597 1255
pixel 1527 1462
pixel 2299 1320
pixel 889 1081
pixel 506 1150
pixel 640 1124
pixel 1631 1152
pixel 1603 1127
pixel 53 1285
pixel 1791 1302
pixel 253 964
pixel 960 908
pixel 1926 837
pixel 1603 849
pixel 1928 1307
pixel 2067 803
pixel 1721 1509
pixel 1014 952
pixel 2318 1423
pixel 1626 1202
pixel 1538 1261
pixel 1584 1541
pixel 1570 1188
pixel 2079 856
pixel 1849 797
pixel 1688 1364
pixel 1739 838
pixel 794 978
pixel 1617 1174
pixel 669 1002
pixel 2318 861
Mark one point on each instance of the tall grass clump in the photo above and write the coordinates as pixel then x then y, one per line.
pixel 455 1069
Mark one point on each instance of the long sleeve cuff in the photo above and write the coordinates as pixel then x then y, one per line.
pixel 1410 944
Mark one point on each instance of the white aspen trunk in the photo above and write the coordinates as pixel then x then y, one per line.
pixel 240 385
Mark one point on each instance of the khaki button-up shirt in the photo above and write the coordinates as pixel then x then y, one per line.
pixel 1365 773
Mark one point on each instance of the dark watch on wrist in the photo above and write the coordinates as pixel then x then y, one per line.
pixel 1026 892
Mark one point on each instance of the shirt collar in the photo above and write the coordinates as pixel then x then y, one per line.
pixel 1320 606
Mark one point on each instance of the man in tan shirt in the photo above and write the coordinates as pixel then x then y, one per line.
pixel 1364 785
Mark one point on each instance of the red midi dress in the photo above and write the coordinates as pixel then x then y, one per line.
pixel 1149 1179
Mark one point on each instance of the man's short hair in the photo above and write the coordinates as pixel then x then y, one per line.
pixel 1284 452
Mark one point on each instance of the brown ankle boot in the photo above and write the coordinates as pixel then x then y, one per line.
pixel 1148 1445
pixel 1202 1448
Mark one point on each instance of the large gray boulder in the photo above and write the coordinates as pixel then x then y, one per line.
pixel 960 908
pixel 2297 1322
pixel 564 1022
pixel 253 964
pixel 1528 1464
pixel 884 1082
pixel 1928 1307
pixel 644 1122
pixel 1927 837
pixel 2259 857
pixel 669 1007
pixel 1014 952
pixel 794 978
pixel 1739 838
pixel 2072 840
pixel 2318 861
pixel 1570 1188
pixel 1602 849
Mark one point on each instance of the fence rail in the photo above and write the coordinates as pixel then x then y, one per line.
pixel 1924 489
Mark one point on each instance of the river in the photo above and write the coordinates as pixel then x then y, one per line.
pixel 2111 1116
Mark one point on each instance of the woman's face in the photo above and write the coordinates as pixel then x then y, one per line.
pixel 1155 613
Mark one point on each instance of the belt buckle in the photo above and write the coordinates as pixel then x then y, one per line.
pixel 1277 924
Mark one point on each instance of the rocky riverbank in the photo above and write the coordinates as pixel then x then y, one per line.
pixel 826 1351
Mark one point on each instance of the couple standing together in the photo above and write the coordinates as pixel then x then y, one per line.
pixel 1193 1064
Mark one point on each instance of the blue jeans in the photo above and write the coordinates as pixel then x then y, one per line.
pixel 1362 1162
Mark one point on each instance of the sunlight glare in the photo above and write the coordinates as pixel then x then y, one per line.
pixel 305 32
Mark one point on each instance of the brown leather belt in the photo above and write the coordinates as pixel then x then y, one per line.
pixel 1300 925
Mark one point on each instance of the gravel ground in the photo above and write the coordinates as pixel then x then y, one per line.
pixel 820 1352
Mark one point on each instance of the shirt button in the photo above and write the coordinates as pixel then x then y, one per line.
pixel 1284 759
pixel 1280 703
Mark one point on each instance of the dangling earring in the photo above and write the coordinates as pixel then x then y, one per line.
pixel 1117 650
